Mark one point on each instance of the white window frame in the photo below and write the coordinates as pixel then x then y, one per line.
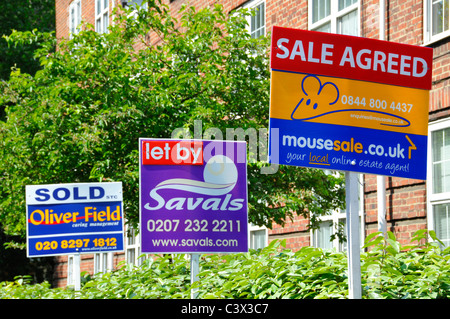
pixel 70 270
pixel 339 215
pixel 74 17
pixel 335 217
pixel 103 262
pixel 102 16
pixel 134 4
pixel 334 16
pixel 131 4
pixel 428 38
pixel 133 248
pixel 252 229
pixel 440 198
pixel 251 5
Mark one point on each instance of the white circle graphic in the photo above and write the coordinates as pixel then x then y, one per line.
pixel 220 169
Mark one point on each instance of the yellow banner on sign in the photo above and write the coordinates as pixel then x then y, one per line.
pixel 320 99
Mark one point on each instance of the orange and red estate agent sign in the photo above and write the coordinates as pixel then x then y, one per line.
pixel 349 103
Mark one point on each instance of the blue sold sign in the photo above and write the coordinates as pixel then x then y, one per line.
pixel 74 218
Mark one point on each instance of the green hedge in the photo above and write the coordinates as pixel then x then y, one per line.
pixel 388 271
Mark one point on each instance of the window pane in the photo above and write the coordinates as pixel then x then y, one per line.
pixel 78 13
pixel 348 24
pixel 131 255
pixel 343 222
pixel 345 3
pixel 99 8
pixel 131 240
pixel 98 25
pixel 262 16
pixel 323 235
pixel 441 160
pixel 72 20
pixel 438 142
pixel 257 22
pixel 437 180
pixel 70 277
pixel 442 222
pixel 440 16
pixel 75 17
pixel 324 28
pixel 135 3
pixel 257 239
pixel 105 22
pixel 321 9
pixel 97 261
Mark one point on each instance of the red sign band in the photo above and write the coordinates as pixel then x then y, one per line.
pixel 172 153
pixel 351 57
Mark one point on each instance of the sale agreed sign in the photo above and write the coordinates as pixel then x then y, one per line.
pixel 349 103
pixel 193 196
pixel 74 218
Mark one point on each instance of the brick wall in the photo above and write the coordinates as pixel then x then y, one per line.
pixel 405 198
pixel 370 17
pixel 287 13
pixel 405 23
pixel 87 14
pixel 440 94
pixel 295 232
pixel 60 272
pixel 62 18
pixel 405 206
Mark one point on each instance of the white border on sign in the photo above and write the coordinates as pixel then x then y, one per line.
pixel 140 191
pixel 112 189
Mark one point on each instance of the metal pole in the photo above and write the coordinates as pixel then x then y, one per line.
pixel 353 250
pixel 381 200
pixel 77 271
pixel 381 181
pixel 194 273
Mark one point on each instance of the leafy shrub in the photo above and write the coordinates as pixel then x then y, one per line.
pixel 391 271
pixel 388 271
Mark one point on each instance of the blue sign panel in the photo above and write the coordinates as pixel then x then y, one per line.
pixel 74 218
pixel 329 146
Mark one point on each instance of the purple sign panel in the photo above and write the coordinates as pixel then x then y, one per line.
pixel 193 196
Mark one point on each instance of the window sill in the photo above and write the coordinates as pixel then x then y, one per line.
pixel 437 38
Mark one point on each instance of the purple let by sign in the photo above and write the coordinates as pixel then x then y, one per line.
pixel 190 204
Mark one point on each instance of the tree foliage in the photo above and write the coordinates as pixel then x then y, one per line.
pixel 78 119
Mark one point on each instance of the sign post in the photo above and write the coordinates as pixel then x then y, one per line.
pixel 195 265
pixel 77 271
pixel 353 234
pixel 351 104
pixel 78 218
pixel 193 197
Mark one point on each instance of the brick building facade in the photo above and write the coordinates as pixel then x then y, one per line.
pixel 410 204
